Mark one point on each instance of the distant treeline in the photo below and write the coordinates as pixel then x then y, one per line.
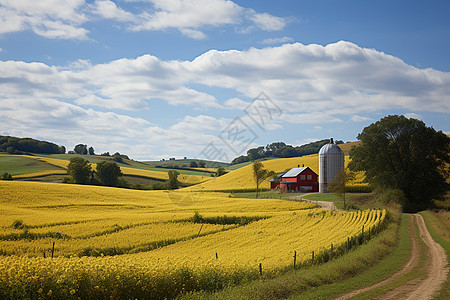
pixel 17 145
pixel 280 149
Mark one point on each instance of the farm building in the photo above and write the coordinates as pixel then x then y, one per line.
pixel 299 179
pixel 275 184
pixel 331 160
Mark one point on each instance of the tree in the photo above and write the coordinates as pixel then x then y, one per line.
pixel 173 180
pixel 339 183
pixel 220 171
pixel 91 151
pixel 401 153
pixel 260 174
pixel 193 164
pixel 118 158
pixel 6 176
pixel 80 149
pixel 256 153
pixel 201 164
pixel 108 173
pixel 80 170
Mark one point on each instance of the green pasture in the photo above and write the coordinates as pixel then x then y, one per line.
pixel 16 165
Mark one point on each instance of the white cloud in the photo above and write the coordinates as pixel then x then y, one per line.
pixel 66 19
pixel 312 84
pixel 236 103
pixel 281 40
pixel 266 21
pixel 109 10
pixel 360 119
pixel 48 18
pixel 413 116
pixel 193 34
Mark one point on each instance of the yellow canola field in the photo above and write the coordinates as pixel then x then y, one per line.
pixel 44 204
pixel 242 178
pixel 90 215
pixel 271 242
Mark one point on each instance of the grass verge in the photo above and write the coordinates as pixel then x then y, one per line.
pixel 297 283
pixel 382 270
pixel 438 224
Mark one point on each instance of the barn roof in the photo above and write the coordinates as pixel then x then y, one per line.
pixel 278 175
pixel 294 172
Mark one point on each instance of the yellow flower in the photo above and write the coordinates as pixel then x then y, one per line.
pixel 72 291
pixel 49 293
pixel 40 290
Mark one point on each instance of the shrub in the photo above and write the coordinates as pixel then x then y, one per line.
pixel 18 224
pixel 6 176
pixel 388 195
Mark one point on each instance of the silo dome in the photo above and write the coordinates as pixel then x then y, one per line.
pixel 331 160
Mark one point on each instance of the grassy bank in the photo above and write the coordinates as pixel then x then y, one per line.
pixel 302 282
pixel 438 223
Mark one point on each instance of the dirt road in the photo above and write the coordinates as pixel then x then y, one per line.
pixel 324 204
pixel 418 288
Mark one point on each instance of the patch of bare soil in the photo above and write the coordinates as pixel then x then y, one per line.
pixel 418 288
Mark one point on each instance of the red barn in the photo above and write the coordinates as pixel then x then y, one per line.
pixel 275 184
pixel 299 180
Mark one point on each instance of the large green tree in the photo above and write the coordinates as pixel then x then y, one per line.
pixel 80 170
pixel 108 173
pixel 260 174
pixel 81 149
pixel 401 153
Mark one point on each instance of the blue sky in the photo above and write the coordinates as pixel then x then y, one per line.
pixel 209 79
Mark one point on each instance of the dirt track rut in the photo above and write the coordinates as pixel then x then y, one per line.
pixel 418 288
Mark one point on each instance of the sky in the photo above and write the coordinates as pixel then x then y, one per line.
pixel 209 79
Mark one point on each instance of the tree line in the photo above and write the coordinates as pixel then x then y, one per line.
pixel 15 145
pixel 280 149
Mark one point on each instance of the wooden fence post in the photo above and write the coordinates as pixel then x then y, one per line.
pixel 200 230
pixel 312 259
pixel 217 256
pixel 362 234
pixel 260 268
pixel 331 255
pixel 295 258
pixel 53 249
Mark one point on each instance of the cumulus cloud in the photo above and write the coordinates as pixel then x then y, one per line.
pixel 311 84
pixel 281 40
pixel 360 119
pixel 266 21
pixel 48 18
pixel 66 19
pixel 413 116
pixel 339 79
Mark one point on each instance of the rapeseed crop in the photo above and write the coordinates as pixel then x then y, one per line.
pixel 123 243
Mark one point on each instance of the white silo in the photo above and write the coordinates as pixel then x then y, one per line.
pixel 331 160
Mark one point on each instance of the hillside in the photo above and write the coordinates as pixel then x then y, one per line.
pixel 53 168
pixel 242 178
pixel 348 146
